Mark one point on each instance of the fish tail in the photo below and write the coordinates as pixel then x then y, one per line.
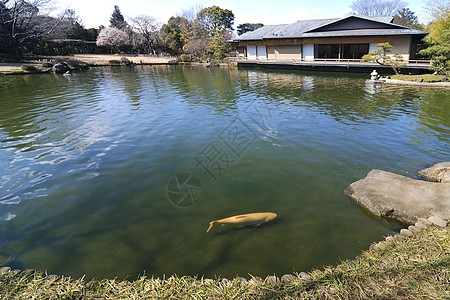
pixel 211 225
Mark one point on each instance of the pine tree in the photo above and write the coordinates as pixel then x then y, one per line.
pixel 117 20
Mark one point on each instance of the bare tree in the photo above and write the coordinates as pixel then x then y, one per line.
pixel 191 13
pixel 23 21
pixel 147 28
pixel 377 7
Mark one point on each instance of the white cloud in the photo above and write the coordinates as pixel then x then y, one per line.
pixel 345 12
pixel 307 13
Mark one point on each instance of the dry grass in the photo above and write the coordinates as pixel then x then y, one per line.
pixel 425 77
pixel 416 267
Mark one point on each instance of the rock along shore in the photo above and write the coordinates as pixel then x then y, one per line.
pixel 395 197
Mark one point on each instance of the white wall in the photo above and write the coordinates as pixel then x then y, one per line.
pixel 373 47
pixel 308 52
pixel 261 52
pixel 251 52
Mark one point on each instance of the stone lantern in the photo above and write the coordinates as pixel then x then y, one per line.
pixel 374 75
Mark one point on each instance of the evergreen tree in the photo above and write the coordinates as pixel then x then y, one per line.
pixel 406 17
pixel 117 20
pixel 243 28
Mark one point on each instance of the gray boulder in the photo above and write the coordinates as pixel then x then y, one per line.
pixel 61 68
pixel 396 197
pixel 439 172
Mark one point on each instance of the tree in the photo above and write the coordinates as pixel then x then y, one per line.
pixel 197 47
pixel 438 40
pixel 117 20
pixel 380 56
pixel 147 28
pixel 407 18
pixel 22 22
pixel 377 7
pixel 176 33
pixel 113 37
pixel 214 24
pixel 243 28
pixel 214 19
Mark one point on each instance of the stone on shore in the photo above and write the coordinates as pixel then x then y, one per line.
pixel 61 68
pixel 439 172
pixel 396 197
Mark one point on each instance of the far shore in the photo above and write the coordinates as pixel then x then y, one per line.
pixel 105 60
pixel 92 59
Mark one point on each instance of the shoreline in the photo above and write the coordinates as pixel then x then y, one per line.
pixel 410 264
pixel 413 83
pixel 94 60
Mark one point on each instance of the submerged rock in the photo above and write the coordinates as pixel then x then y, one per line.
pixel 396 197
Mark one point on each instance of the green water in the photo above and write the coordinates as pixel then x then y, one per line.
pixel 89 163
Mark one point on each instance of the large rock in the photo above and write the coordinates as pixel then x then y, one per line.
pixel 396 197
pixel 439 172
pixel 61 68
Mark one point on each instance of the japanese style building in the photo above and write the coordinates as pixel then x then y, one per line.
pixel 347 38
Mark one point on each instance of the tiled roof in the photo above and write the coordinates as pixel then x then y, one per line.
pixel 311 28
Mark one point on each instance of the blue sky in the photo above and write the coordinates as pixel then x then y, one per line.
pixel 97 12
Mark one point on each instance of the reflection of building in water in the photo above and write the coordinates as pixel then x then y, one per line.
pixel 308 83
pixel 257 78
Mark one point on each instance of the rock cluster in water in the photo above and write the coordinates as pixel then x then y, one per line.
pixel 403 199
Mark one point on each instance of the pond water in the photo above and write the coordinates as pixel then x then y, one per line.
pixel 117 172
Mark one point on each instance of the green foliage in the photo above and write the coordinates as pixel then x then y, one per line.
pixel 219 46
pixel 406 17
pixel 78 32
pixel 380 56
pixel 246 27
pixel 438 40
pixel 215 19
pixel 175 33
pixel 117 20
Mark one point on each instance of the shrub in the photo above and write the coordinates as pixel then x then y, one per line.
pixel 29 68
pixel 47 65
pixel 125 61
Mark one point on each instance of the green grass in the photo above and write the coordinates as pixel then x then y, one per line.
pixel 425 77
pixel 416 267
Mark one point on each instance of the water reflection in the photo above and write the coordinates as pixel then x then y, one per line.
pixel 85 162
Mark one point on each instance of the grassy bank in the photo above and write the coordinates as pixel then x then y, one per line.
pixel 424 77
pixel 416 267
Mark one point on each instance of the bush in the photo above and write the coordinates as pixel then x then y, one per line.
pixel 205 58
pixel 77 64
pixel 114 62
pixel 185 57
pixel 47 65
pixel 125 61
pixel 29 68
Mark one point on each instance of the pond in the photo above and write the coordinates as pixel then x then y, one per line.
pixel 117 171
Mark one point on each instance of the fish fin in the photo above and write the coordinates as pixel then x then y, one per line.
pixel 259 224
pixel 239 217
pixel 211 225
pixel 222 225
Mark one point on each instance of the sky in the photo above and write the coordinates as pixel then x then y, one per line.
pixel 97 12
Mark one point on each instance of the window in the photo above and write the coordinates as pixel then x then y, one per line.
pixel 326 51
pixel 355 51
